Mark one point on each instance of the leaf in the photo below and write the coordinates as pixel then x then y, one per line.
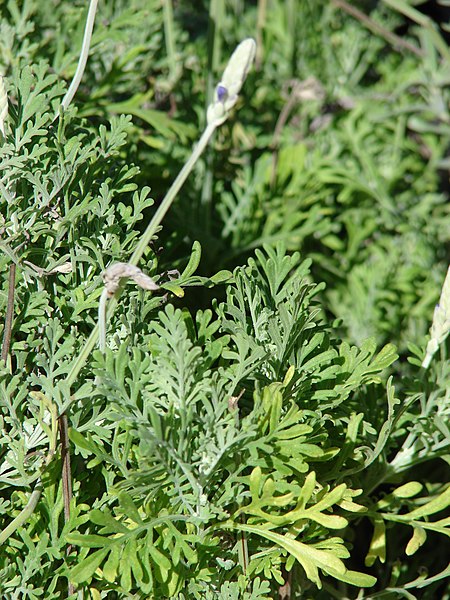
pixel 110 568
pixel 135 561
pixel 105 519
pixel 219 277
pixel 87 567
pixel 387 426
pixel 419 537
pixel 127 558
pixel 435 505
pixel 87 444
pixel 174 288
pixel 355 578
pixel 129 507
pixel 309 557
pixel 408 490
pixel 86 540
pixel 194 261
pixel 377 549
pixel 385 357
pixel 160 559
pixel 165 126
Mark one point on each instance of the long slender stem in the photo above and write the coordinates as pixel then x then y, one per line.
pixel 83 55
pixel 66 476
pixel 66 469
pixel 396 41
pixel 24 515
pixel 102 321
pixel 216 11
pixel 170 196
pixel 9 312
pixel 421 19
pixel 26 512
pixel 427 360
pixel 260 24
pixel 170 40
pixel 243 557
pixel 281 122
pixel 141 247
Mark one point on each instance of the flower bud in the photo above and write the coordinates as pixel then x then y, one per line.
pixel 227 90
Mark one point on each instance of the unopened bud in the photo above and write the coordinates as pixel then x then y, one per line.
pixel 228 89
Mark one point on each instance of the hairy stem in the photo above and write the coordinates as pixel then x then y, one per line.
pixel 169 37
pixel 66 478
pixel 24 515
pixel 396 41
pixel 83 56
pixel 9 313
pixel 260 24
pixel 216 11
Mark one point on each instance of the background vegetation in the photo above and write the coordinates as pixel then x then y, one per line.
pixel 263 428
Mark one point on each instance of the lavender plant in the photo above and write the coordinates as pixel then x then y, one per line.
pixel 247 449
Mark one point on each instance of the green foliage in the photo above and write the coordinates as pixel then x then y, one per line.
pixel 191 453
pixel 222 448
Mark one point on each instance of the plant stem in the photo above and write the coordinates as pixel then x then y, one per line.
pixel 243 557
pixel 423 21
pixel 9 313
pixel 281 122
pixel 83 56
pixel 66 476
pixel 102 321
pixel 216 10
pixel 66 469
pixel 170 196
pixel 260 24
pixel 141 247
pixel 396 41
pixel 24 515
pixel 170 40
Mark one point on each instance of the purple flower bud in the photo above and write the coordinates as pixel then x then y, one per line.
pixel 222 92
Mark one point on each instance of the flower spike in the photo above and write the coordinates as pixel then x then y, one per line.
pixel 228 88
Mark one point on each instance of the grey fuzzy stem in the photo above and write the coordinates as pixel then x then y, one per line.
pixel 83 56
pixel 102 320
pixel 24 515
